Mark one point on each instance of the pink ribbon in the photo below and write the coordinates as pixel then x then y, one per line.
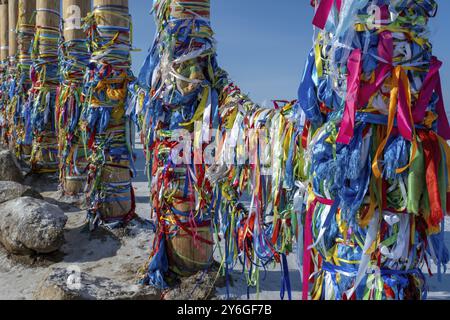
pixel 432 83
pixel 351 104
pixel 385 52
pixel 323 11
pixel 308 241
pixel 357 96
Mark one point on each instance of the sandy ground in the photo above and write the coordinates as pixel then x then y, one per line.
pixel 101 253
pixel 120 257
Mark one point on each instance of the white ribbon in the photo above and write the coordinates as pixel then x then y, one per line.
pixel 365 258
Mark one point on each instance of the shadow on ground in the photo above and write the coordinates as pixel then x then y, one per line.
pixel 85 246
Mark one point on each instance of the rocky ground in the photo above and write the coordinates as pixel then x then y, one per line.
pixel 105 264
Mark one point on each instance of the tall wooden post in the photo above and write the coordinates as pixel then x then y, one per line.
pixel 110 18
pixel 186 254
pixel 74 11
pixel 3 71
pixel 45 69
pixel 26 27
pixel 71 97
pixel 12 18
pixel 48 14
pixel 110 192
pixel 10 78
pixel 4 30
pixel 180 88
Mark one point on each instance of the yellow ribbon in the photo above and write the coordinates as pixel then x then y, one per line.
pixel 200 110
pixel 399 77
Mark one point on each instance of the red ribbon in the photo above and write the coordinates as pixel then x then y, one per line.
pixel 186 228
pixel 305 134
pixel 432 152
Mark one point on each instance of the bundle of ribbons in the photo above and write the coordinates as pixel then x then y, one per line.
pixel 42 98
pixel 73 156
pixel 4 76
pixel 4 98
pixel 197 128
pixel 257 176
pixel 104 124
pixel 175 90
pixel 9 102
pixel 377 154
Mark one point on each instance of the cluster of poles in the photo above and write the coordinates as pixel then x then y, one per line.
pixel 359 164
pixel 65 68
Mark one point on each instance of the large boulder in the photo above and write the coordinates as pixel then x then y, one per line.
pixel 9 167
pixel 10 190
pixel 29 226
pixel 71 284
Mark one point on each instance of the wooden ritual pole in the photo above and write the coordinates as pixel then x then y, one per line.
pixel 4 27
pixel 71 97
pixel 186 254
pixel 44 157
pixel 110 192
pixel 26 27
pixel 48 14
pixel 11 77
pixel 3 71
pixel 13 13
pixel 74 11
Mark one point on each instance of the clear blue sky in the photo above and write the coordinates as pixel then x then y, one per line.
pixel 263 44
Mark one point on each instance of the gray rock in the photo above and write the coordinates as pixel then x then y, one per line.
pixel 29 225
pixel 201 286
pixel 10 190
pixel 9 167
pixel 65 284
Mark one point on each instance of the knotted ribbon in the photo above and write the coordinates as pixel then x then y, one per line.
pixel 400 104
